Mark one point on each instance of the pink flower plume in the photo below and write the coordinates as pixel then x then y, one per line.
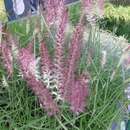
pixel 54 9
pixel 79 94
pixel 74 55
pixel 51 7
pixel 27 65
pixel 7 57
pixel 59 50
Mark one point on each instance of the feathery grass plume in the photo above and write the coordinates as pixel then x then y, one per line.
pixel 48 74
pixel 27 65
pixel 9 51
pixel 45 98
pixel 59 50
pixel 54 9
pixel 73 57
pixel 7 57
pixel 79 94
pixel 28 61
pixel 50 11
pixel 60 12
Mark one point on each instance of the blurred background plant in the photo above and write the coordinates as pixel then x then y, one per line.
pixel 116 18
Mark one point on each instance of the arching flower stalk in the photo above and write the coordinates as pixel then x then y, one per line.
pixel 59 51
pixel 73 57
pixel 27 65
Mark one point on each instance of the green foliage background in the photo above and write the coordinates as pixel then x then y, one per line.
pixel 117 20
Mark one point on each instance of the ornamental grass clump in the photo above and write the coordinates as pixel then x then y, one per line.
pixel 53 79
pixel 73 71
